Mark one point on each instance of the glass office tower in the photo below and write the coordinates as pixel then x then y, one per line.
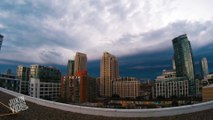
pixel 184 61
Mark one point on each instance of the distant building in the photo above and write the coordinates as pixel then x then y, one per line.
pixel 126 87
pixel 204 68
pixel 80 62
pixel 210 78
pixel 66 82
pixel 44 82
pixel 45 73
pixel 45 90
pixel 84 88
pixel 10 82
pixel 109 72
pixel 173 63
pixel 67 88
pixel 91 88
pixel 146 90
pixel 1 40
pixel 184 61
pixel 70 67
pixel 207 93
pixel 23 74
pixel 167 74
pixel 98 86
pixel 168 87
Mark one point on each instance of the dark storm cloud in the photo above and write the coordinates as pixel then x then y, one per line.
pixel 138 32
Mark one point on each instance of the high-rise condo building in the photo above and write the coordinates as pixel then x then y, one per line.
pixel 67 88
pixel 1 40
pixel 70 67
pixel 23 74
pixel 109 72
pixel 80 62
pixel 184 61
pixel 204 68
pixel 67 82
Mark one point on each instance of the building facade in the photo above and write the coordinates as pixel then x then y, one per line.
pixel 204 68
pixel 84 88
pixel 126 87
pixel 44 90
pixel 67 88
pixel 23 74
pixel 10 82
pixel 169 87
pixel 184 61
pixel 1 40
pixel 70 67
pixel 207 93
pixel 44 82
pixel 80 62
pixel 109 72
pixel 45 73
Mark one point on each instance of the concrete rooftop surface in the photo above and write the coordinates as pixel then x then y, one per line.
pixel 37 112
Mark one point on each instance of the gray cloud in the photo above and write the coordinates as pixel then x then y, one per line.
pixel 43 31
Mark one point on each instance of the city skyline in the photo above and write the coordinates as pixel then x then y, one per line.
pixel 51 33
pixel 106 59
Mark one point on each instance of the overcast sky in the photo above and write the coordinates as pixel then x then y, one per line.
pixel 51 31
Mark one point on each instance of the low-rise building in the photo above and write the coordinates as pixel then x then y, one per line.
pixel 168 87
pixel 44 82
pixel 44 90
pixel 126 87
pixel 166 74
pixel 9 81
pixel 207 93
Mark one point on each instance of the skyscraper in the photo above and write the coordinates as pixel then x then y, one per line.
pixel 79 83
pixel 80 62
pixel 1 40
pixel 204 67
pixel 184 60
pixel 70 67
pixel 109 72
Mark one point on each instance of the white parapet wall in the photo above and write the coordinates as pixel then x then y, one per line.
pixel 157 112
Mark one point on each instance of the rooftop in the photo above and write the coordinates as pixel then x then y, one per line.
pixel 38 112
